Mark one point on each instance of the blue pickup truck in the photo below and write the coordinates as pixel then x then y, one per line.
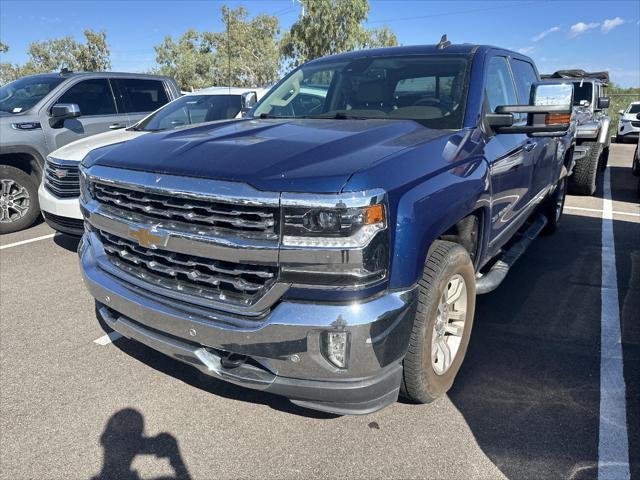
pixel 329 247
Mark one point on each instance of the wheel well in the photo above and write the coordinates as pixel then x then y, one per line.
pixel 24 161
pixel 466 232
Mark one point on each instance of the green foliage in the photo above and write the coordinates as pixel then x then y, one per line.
pixel 47 56
pixel 245 54
pixel 329 27
pixel 620 100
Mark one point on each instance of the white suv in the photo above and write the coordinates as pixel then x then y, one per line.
pixel 629 123
pixel 60 189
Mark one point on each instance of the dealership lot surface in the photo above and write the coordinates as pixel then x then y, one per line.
pixel 526 403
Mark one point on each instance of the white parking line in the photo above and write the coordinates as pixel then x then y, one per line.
pixel 23 242
pixel 613 442
pixel 597 210
pixel 107 339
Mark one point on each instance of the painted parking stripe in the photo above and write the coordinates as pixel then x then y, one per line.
pixel 597 210
pixel 613 442
pixel 24 242
pixel 107 339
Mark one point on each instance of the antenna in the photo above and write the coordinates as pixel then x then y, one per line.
pixel 443 43
pixel 229 50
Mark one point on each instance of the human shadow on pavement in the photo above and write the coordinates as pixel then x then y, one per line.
pixel 123 440
pixel 197 379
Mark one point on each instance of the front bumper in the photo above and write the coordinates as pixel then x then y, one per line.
pixel 628 130
pixel 283 352
pixel 62 214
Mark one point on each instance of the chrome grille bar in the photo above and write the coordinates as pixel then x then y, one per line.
pixel 62 178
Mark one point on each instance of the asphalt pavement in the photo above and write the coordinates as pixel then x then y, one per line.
pixel 526 403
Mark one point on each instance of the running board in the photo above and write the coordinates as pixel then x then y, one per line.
pixel 494 277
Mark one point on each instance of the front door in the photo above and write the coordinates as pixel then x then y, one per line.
pixel 98 113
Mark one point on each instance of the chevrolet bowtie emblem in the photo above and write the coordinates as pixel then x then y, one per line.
pixel 145 238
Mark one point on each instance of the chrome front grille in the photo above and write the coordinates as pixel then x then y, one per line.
pixel 189 274
pixel 194 211
pixel 61 177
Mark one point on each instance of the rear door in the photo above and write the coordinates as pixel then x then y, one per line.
pixel 542 149
pixel 509 157
pixel 98 112
pixel 141 96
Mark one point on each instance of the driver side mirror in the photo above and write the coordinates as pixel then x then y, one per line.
pixel 61 112
pixel 249 99
pixel 603 102
pixel 65 110
pixel 548 112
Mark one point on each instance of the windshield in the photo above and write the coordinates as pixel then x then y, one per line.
pixel 192 109
pixel 430 89
pixel 582 91
pixel 22 94
pixel 635 108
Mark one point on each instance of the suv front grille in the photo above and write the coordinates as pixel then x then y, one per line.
pixel 62 178
pixel 173 208
pixel 188 274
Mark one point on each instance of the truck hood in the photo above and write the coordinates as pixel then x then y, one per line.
pixel 78 150
pixel 300 155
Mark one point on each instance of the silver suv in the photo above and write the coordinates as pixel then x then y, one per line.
pixel 41 113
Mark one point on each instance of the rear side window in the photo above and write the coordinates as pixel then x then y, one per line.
pixel 499 88
pixel 94 97
pixel 142 95
pixel 525 76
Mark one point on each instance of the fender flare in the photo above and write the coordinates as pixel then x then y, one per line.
pixel 37 164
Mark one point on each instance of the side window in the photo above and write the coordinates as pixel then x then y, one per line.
pixel 94 97
pixel 525 77
pixel 141 95
pixel 499 89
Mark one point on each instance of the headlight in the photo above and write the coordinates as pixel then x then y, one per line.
pixel 588 131
pixel 339 240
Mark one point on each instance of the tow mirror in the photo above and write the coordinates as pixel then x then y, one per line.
pixel 548 112
pixel 249 99
pixel 603 102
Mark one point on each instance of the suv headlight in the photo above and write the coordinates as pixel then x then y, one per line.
pixel 340 240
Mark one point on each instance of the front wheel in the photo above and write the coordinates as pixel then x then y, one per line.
pixel 585 171
pixel 19 205
pixel 554 205
pixel 442 327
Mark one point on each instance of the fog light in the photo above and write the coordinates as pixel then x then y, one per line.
pixel 335 347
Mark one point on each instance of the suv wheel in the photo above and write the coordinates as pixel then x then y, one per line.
pixel 442 327
pixel 18 199
pixel 585 172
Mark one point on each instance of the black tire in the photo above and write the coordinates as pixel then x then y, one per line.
pixel 604 159
pixel 553 206
pixel 421 383
pixel 635 166
pixel 585 172
pixel 12 180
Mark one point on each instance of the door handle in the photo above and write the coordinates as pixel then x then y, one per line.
pixel 115 126
pixel 530 146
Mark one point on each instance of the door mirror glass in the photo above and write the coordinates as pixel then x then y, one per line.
pixel 603 102
pixel 249 99
pixel 556 94
pixel 65 110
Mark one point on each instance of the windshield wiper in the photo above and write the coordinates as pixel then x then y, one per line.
pixel 268 115
pixel 338 116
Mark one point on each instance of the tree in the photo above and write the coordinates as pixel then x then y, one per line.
pixel 248 47
pixel 332 26
pixel 244 54
pixel 190 60
pixel 51 55
pixel 4 48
